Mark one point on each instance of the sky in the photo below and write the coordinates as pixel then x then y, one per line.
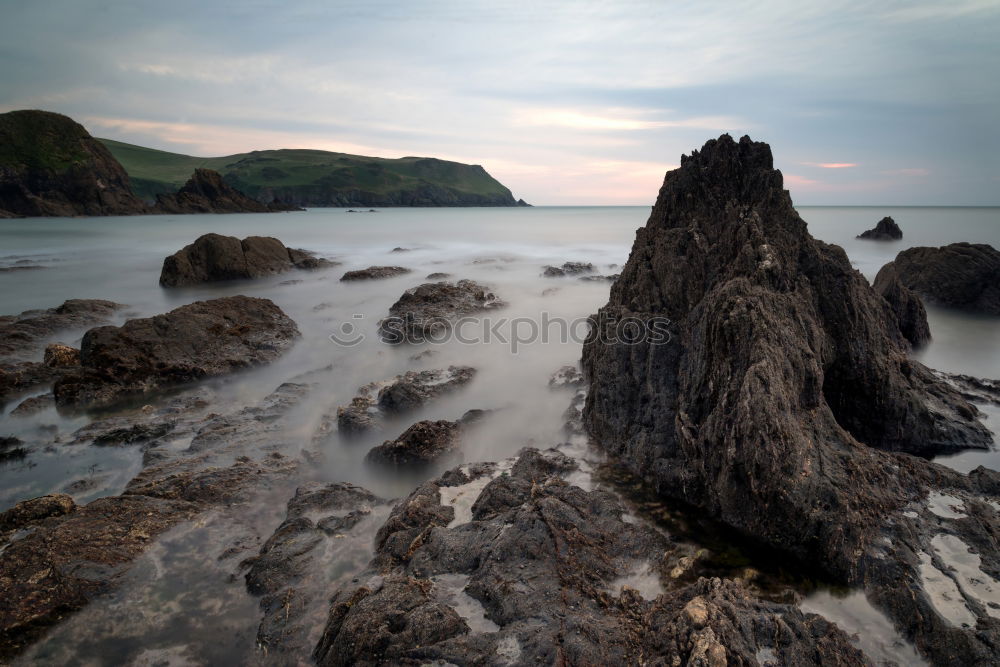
pixel 566 103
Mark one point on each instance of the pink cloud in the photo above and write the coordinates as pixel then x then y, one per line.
pixel 794 179
pixel 831 165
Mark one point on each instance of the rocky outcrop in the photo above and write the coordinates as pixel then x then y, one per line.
pixel 782 395
pixel 906 305
pixel 509 564
pixel 213 257
pixel 425 442
pixel 568 269
pixel 207 192
pixel 193 342
pixel 399 395
pixel 375 273
pixel 960 275
pixel 51 166
pixel 432 308
pixel 885 230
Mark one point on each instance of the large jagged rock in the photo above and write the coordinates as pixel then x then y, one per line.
pixel 193 342
pixel 778 400
pixel 906 305
pixel 510 564
pixel 213 257
pixel 885 230
pixel 51 166
pixel 207 192
pixel 430 310
pixel 960 275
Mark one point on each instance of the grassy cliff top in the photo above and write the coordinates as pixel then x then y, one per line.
pixel 42 140
pixel 154 170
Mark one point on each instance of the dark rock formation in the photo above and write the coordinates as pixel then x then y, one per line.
pixel 905 304
pixel 425 442
pixel 24 336
pixel 960 275
pixel 610 278
pixel 438 276
pixel 375 272
pixel 196 341
pixel 36 510
pixel 782 394
pixel 430 309
pixel 323 525
pixel 398 395
pixel 10 448
pixel 567 376
pixel 532 574
pixel 213 257
pixel 51 166
pixel 207 192
pixel 568 269
pixel 885 230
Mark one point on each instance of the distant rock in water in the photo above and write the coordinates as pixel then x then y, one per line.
pixel 375 273
pixel 430 309
pixel 960 275
pixel 885 230
pixel 207 192
pixel 51 166
pixel 213 257
pixel 782 394
pixel 568 269
pixel 906 305
pixel 200 340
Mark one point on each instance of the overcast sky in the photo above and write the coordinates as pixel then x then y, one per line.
pixel 564 102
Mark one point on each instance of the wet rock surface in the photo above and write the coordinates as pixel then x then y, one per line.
pixel 531 573
pixel 207 192
pixel 398 395
pixel 568 269
pixel 430 309
pixel 375 273
pixel 906 305
pixel 213 258
pixel 425 442
pixel 885 230
pixel 196 341
pixel 24 336
pixel 960 275
pixel 785 392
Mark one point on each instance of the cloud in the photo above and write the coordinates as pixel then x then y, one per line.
pixel 618 120
pixel 831 165
pixel 796 180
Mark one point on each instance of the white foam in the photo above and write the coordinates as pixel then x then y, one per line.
pixel 944 594
pixel 450 589
pixel 945 506
pixel 509 651
pixel 643 578
pixel 968 572
pixel 766 657
pixel 464 496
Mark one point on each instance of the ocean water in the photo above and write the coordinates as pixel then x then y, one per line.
pixel 120 258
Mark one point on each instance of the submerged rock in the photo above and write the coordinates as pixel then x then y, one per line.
pixel 375 273
pixel 213 257
pixel 432 308
pixel 193 342
pixel 398 395
pixel 778 401
pixel 511 565
pixel 960 275
pixel 905 304
pixel 568 269
pixel 24 336
pixel 207 192
pixel 885 230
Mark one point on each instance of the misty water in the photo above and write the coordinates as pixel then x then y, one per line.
pixel 179 599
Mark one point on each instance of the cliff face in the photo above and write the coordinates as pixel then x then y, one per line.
pixel 206 192
pixel 783 388
pixel 51 166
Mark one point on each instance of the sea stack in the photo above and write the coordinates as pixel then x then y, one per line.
pixel 965 276
pixel 783 394
pixel 885 230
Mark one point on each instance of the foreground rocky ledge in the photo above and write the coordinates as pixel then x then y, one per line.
pixel 781 400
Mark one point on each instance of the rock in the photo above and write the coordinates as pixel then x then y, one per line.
pixel 905 304
pixel 134 434
pixel 207 192
pixel 58 355
pixel 290 573
pixel 568 269
pixel 33 405
pixel 51 166
pixel 18 379
pixel 400 394
pixel 200 340
pixel 10 448
pixel 375 273
pixel 567 376
pixel 425 442
pixel 28 512
pixel 960 275
pixel 532 575
pixel 432 308
pixel 23 336
pixel 610 278
pixel 885 230
pixel 438 276
pixel 213 258
pixel 783 394
pixel 399 249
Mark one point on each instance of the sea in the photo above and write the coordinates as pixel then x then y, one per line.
pixel 156 616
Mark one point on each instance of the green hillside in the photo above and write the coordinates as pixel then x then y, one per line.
pixel 319 178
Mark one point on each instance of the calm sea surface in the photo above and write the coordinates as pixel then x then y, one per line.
pixel 120 258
